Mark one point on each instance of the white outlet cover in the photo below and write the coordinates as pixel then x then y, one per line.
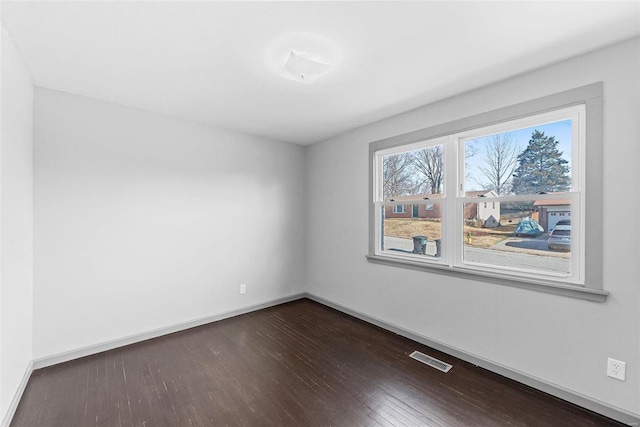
pixel 616 369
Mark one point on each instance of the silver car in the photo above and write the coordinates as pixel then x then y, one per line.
pixel 560 237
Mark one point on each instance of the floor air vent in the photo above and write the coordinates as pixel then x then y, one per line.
pixel 434 363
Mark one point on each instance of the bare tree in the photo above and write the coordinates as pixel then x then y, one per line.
pixel 501 158
pixel 429 162
pixel 470 150
pixel 397 171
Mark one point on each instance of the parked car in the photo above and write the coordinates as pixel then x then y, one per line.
pixel 529 227
pixel 560 236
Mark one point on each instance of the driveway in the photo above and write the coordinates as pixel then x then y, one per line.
pixel 529 245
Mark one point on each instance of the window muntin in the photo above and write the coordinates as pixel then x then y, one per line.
pixel 464 159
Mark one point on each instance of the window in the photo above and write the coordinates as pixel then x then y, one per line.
pixel 531 160
pixel 399 209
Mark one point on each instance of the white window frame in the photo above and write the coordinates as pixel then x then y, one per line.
pixel 576 114
pixel 584 105
pixel 399 209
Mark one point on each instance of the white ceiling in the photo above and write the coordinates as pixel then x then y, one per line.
pixel 214 62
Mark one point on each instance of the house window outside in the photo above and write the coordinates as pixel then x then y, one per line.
pixel 399 209
pixel 520 163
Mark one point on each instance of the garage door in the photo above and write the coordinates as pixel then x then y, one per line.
pixel 554 217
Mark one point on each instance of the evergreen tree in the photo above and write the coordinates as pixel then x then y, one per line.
pixel 541 167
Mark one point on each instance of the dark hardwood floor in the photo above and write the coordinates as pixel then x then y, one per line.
pixel 297 364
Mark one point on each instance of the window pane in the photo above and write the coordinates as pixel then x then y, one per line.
pixel 523 161
pixel 419 235
pixel 527 236
pixel 413 173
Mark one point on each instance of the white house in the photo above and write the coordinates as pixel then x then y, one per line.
pixel 483 210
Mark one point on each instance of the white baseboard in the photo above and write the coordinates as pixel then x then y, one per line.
pixel 591 404
pixel 43 362
pixel 13 406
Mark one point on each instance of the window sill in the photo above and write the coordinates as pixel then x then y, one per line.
pixel 595 295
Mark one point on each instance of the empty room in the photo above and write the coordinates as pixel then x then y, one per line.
pixel 320 213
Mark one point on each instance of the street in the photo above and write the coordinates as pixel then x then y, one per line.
pixel 529 253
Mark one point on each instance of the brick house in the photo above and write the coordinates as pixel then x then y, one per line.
pixel 480 211
pixel 430 210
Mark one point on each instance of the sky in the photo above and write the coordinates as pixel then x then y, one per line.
pixel 560 130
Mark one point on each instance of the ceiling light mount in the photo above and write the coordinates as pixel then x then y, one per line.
pixel 303 57
pixel 303 68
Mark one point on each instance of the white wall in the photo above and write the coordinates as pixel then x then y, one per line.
pixel 559 340
pixel 16 223
pixel 144 221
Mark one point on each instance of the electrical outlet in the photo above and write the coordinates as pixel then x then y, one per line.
pixel 243 288
pixel 616 369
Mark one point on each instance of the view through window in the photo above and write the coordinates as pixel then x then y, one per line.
pixel 506 197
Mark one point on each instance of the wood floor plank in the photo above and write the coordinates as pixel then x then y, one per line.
pixel 297 364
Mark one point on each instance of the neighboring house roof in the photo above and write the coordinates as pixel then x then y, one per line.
pixel 487 193
pixel 559 202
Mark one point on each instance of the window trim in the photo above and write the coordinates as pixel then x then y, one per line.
pixel 591 97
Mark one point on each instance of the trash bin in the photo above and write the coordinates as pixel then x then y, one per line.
pixel 420 245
